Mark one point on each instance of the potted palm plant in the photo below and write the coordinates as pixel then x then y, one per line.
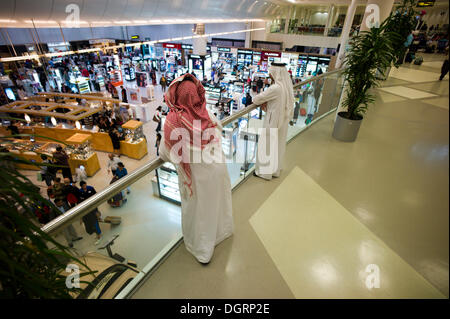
pixel 370 51
pixel 32 262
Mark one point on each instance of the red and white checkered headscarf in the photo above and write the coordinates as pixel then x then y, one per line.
pixel 186 100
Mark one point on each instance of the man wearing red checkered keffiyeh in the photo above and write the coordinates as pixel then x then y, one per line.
pixel 191 132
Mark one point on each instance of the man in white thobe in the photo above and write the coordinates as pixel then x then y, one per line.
pixel 278 102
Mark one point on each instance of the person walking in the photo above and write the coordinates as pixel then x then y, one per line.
pixel 61 158
pixel 278 103
pixel 91 219
pixel 157 118
pixel 205 186
pixel 163 83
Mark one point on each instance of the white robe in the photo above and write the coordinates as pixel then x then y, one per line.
pixel 207 216
pixel 276 117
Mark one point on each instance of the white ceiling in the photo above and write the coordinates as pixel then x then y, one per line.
pixel 50 13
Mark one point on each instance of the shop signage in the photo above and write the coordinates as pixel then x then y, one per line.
pixel 223 49
pixel 245 52
pixel 172 46
pixel 135 37
pixel 270 54
pixel 187 46
pixel 195 56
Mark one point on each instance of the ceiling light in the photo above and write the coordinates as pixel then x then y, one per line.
pixel 27 118
pixel 53 120
pixel 78 125
pixel 7 21
pixel 140 21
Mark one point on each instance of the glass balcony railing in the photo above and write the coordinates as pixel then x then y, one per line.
pixel 144 226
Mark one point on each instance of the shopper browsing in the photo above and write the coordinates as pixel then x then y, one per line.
pixel 124 95
pixel 112 163
pixel 121 172
pixel 47 172
pixel 205 187
pixel 279 105
pixel 61 158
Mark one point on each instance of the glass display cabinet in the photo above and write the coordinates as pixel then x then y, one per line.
pixel 81 153
pixel 135 143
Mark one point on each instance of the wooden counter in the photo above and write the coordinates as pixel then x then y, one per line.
pixel 100 140
pixel 134 150
pixel 91 164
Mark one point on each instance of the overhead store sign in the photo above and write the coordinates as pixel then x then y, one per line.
pixel 187 46
pixel 223 49
pixel 270 54
pixel 172 46
pixel 245 51
pixel 135 37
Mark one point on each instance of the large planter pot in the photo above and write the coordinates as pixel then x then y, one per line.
pixel 346 130
pixel 380 76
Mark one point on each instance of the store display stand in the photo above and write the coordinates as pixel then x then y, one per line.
pixel 138 149
pixel 90 163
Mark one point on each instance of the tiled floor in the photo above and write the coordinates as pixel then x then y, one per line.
pixel 322 250
pixel 405 92
pixel 337 207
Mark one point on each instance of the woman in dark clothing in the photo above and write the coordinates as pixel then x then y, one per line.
pixel 115 139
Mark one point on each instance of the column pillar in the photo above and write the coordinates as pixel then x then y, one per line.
pixel 345 33
pixel 199 44
pixel 248 35
pixel 385 7
pixel 329 19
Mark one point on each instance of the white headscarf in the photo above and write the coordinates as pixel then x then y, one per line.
pixel 282 78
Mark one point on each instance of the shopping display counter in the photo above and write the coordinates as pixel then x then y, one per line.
pixel 100 140
pixel 30 151
pixel 82 154
pixel 136 145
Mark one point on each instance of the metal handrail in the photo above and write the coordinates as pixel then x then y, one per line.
pixel 94 201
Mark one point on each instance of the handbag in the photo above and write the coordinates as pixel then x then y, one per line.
pixel 155 119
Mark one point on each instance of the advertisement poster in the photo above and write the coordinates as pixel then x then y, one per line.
pixel 141 79
pixel 133 95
